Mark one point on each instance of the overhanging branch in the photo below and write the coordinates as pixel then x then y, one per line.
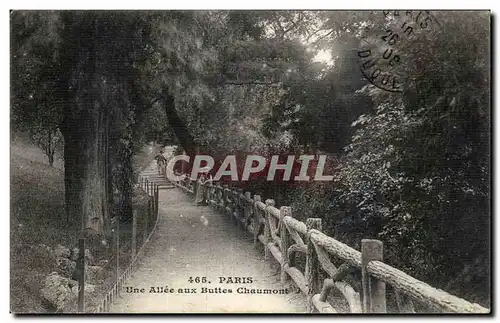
pixel 250 83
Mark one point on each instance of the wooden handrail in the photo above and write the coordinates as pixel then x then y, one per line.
pixel 321 246
pixel 422 292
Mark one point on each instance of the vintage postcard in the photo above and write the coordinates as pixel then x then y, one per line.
pixel 253 161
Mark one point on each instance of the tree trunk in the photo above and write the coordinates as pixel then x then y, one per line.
pixel 108 179
pixel 72 174
pixel 102 130
pixel 92 191
pixel 84 176
pixel 51 159
pixel 128 174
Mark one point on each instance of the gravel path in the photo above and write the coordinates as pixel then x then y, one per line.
pixel 194 241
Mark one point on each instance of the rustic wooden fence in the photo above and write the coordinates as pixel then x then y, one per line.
pixel 284 237
pixel 150 222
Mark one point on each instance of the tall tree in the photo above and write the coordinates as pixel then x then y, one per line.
pixel 92 58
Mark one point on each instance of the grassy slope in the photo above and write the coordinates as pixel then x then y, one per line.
pixel 37 216
pixel 37 211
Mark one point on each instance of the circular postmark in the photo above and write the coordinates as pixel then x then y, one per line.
pixel 384 45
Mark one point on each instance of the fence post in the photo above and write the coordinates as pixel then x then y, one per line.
pixel 285 241
pixel 227 199
pixel 153 199
pixel 247 208
pixel 256 219
pixel 217 196
pixel 373 290
pixel 312 265
pixel 233 205
pixel 210 190
pixel 117 248
pixel 221 198
pixel 267 229
pixel 146 220
pixel 236 209
pixel 224 198
pixel 233 202
pixel 213 194
pixel 151 208
pixel 81 278
pixel 157 194
pixel 134 234
pixel 207 192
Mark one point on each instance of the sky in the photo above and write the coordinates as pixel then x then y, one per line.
pixel 323 56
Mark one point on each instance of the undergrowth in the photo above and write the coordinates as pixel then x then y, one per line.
pixel 37 216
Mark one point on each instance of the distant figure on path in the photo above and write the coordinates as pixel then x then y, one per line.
pixel 160 161
pixel 201 190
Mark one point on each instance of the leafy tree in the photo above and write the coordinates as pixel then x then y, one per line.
pixel 35 66
pixel 416 172
pixel 48 141
pixel 82 88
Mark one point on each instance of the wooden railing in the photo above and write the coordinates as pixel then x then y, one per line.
pixel 284 237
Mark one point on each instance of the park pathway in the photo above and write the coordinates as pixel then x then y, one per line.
pixel 194 241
